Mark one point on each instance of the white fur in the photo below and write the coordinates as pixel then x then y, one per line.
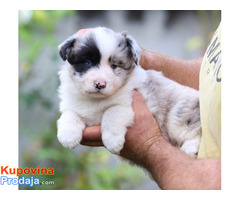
pixel 115 113
pixel 82 105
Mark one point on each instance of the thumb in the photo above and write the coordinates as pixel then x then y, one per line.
pixel 82 31
pixel 139 102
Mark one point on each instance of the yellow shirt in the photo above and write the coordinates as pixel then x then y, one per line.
pixel 210 99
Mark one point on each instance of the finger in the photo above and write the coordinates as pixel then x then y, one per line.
pixel 92 133
pixel 92 143
pixel 92 136
pixel 82 31
pixel 138 101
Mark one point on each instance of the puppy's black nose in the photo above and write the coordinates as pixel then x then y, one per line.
pixel 100 84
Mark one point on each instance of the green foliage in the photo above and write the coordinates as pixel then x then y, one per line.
pixel 36 30
pixel 90 169
pixel 194 43
pixel 209 21
pixel 83 168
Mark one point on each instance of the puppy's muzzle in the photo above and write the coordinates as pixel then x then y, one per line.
pixel 100 84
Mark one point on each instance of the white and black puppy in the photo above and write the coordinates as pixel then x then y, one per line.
pixel 96 88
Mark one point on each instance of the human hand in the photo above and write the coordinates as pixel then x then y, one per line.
pixel 142 135
pixel 139 138
pixel 82 31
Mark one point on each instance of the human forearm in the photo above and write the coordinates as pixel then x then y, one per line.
pixel 169 167
pixel 185 72
pixel 172 169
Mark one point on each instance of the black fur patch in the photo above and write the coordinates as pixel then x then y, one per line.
pixel 66 48
pixel 87 52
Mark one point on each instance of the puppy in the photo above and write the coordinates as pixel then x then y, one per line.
pixel 97 82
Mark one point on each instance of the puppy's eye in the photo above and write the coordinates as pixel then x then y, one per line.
pixel 113 66
pixel 88 63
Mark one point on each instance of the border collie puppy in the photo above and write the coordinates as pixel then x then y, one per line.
pixel 97 83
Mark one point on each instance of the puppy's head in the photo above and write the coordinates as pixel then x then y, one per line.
pixel 101 60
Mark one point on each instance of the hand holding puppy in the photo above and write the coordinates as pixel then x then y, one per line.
pixel 97 82
pixel 82 31
pixel 139 138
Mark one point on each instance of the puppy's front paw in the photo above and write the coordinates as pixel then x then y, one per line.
pixel 70 129
pixel 113 143
pixel 190 147
pixel 70 137
pixel 113 131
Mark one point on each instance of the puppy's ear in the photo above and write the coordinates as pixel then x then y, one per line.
pixel 65 47
pixel 132 44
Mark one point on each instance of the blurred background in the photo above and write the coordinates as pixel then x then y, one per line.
pixel 183 34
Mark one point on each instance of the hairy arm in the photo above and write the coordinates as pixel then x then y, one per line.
pixel 172 169
pixel 185 72
pixel 169 167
